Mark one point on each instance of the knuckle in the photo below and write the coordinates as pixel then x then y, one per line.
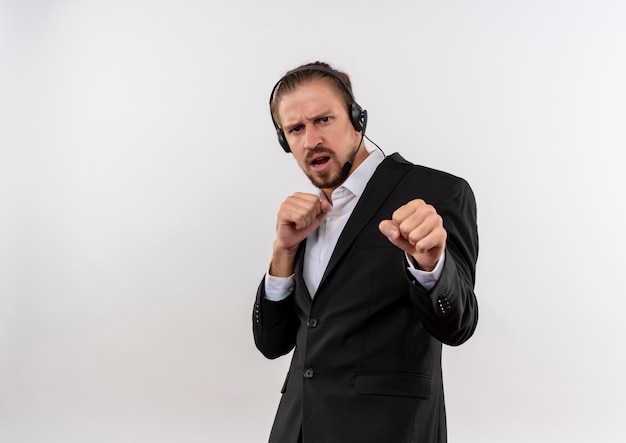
pixel 412 233
pixel 396 216
pixel 416 204
pixel 405 230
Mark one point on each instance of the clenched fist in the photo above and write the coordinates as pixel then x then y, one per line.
pixel 418 230
pixel 298 216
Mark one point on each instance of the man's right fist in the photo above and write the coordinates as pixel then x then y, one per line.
pixel 298 216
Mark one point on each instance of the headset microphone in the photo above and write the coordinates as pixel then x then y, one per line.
pixel 348 165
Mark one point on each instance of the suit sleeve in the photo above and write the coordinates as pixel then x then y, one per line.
pixel 449 310
pixel 274 324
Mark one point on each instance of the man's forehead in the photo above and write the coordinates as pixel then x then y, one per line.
pixel 317 93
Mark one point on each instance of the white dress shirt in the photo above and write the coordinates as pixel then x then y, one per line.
pixel 321 242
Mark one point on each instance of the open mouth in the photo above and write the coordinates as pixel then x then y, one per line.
pixel 319 161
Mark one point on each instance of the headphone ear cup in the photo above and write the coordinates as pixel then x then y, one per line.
pixel 358 117
pixel 282 140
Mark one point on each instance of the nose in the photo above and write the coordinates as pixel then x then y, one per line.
pixel 312 137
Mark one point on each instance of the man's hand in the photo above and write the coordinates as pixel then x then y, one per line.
pixel 298 216
pixel 418 230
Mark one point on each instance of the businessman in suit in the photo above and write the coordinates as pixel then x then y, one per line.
pixel 368 277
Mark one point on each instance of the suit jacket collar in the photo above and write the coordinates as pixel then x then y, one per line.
pixel 384 180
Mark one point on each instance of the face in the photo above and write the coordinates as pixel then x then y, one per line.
pixel 321 137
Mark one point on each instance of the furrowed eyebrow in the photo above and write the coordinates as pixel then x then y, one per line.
pixel 289 128
pixel 329 113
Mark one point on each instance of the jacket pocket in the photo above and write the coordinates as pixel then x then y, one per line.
pixel 400 385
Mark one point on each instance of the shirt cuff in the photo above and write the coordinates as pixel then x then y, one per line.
pixel 425 278
pixel 278 288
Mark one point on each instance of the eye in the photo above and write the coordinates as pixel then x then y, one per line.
pixel 324 119
pixel 296 129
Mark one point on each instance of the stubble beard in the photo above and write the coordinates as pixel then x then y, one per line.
pixel 330 178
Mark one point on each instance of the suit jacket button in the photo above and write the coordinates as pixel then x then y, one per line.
pixel 308 373
pixel 311 323
pixel 444 304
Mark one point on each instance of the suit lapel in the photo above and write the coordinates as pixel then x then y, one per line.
pixel 384 180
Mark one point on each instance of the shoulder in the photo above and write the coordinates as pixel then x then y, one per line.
pixel 420 175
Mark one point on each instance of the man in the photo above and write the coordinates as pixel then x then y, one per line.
pixel 367 279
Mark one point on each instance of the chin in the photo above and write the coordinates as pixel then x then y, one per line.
pixel 326 180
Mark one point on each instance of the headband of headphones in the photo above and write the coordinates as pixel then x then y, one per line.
pixel 358 116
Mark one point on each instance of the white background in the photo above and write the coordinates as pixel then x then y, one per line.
pixel 140 177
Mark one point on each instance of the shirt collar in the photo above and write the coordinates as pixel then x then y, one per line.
pixel 356 182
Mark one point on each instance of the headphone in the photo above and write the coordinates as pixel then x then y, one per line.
pixel 358 115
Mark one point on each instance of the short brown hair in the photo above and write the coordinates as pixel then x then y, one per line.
pixel 306 73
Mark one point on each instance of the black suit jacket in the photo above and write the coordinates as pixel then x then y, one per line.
pixel 366 365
